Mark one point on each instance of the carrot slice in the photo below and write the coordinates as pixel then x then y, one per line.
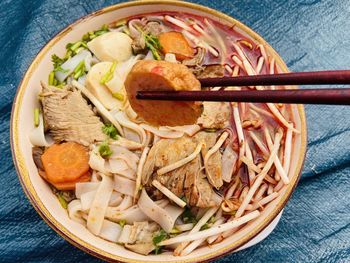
pixel 175 43
pixel 65 162
pixel 71 185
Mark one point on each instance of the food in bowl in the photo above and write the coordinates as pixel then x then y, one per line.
pixel 150 187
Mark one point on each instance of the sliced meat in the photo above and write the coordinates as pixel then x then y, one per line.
pixel 212 71
pixel 215 115
pixel 189 179
pixel 68 117
pixel 163 75
pixel 141 237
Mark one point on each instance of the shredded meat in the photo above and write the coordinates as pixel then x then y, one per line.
pixel 68 117
pixel 188 180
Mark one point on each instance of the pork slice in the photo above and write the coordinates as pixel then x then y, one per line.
pixel 68 116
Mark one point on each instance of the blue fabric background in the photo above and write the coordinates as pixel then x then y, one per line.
pixel 308 34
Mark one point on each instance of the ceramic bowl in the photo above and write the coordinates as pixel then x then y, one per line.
pixel 45 202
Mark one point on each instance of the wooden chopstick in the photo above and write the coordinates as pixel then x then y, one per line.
pixel 293 78
pixel 305 96
pixel 297 96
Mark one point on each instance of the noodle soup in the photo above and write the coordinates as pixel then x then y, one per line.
pixel 160 189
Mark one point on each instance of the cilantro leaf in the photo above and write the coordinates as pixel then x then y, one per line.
pixel 111 131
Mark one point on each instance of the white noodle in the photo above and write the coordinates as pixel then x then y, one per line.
pixel 124 121
pixel 139 171
pixel 162 133
pixel 260 192
pixel 265 200
pixel 259 143
pixel 250 164
pixel 177 22
pixel 249 155
pixel 193 245
pixel 204 219
pixel 260 64
pixel 181 162
pixel 260 176
pixel 184 227
pixel 281 171
pixel 218 40
pixel 74 209
pixel 239 129
pixel 212 231
pixel 214 149
pixel 99 205
pixel 168 193
pixel 124 185
pixel 287 150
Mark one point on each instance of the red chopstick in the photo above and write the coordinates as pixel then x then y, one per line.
pixel 298 96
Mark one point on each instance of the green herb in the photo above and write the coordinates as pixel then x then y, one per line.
pixel 210 130
pixel 118 96
pixel 57 61
pixel 59 68
pixel 36 117
pixel 104 150
pixel 111 131
pixel 62 201
pixel 158 250
pixel 122 223
pixel 157 238
pixel 152 43
pixel 175 231
pixel 109 75
pixel 120 23
pixel 188 217
pixel 79 70
pixel 52 78
pixel 205 226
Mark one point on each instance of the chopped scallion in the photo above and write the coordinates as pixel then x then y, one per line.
pixel 104 150
pixel 111 131
pixel 36 117
pixel 109 75
pixel 51 78
pixel 118 96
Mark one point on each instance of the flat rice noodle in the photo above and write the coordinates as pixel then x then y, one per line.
pixel 124 121
pixel 87 199
pixel 228 163
pixel 125 203
pixel 110 231
pixel 96 162
pixel 82 188
pixel 128 144
pixel 124 237
pixel 99 205
pixel 74 209
pixel 169 134
pixel 37 136
pixel 124 185
pixel 190 130
pixel 165 217
pixel 130 215
pixel 121 153
pixel 116 199
pixel 117 165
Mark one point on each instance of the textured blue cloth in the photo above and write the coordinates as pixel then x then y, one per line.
pixel 308 34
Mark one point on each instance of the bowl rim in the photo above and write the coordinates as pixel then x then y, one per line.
pixel 38 205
